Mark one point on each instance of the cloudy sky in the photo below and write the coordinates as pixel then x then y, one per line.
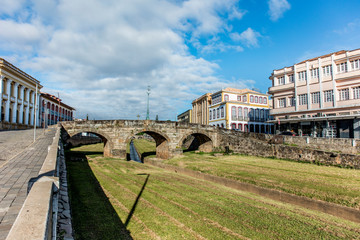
pixel 100 55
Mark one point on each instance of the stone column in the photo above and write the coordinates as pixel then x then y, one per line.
pixel 14 111
pixel 1 92
pixel 27 97
pixel 7 105
pixel 38 123
pixel 33 109
pixel 21 105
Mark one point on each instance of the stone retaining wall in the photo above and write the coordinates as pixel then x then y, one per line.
pixel 329 208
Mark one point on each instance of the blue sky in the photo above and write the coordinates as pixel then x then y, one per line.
pixel 100 55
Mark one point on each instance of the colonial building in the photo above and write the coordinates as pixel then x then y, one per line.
pixel 319 96
pixel 241 109
pixel 54 110
pixel 185 116
pixel 19 95
pixel 200 109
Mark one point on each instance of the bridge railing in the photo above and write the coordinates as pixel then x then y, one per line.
pixel 38 215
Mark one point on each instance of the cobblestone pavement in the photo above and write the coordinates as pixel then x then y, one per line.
pixel 21 159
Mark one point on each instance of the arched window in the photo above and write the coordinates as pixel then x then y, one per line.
pixel 262 114
pixel 233 113
pixel 244 98
pixel 260 100
pixel 210 115
pixel 222 112
pixel 240 113
pixel 226 97
pixel 246 113
pixel 214 113
pixel 217 113
pixel 251 98
pixel 256 114
pixel 265 100
pixel 256 99
pixel 222 125
pixel 240 126
pixel 233 126
pixel 246 128
pixel 239 98
pixel 251 114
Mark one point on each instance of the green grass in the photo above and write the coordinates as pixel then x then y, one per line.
pixel 144 146
pixel 105 198
pixel 331 184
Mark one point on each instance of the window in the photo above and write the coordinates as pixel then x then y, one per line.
pixel 282 102
pixel 291 78
pixel 246 113
pixel 257 114
pixel 327 70
pixel 240 113
pixel 246 128
pixel 303 99
pixel 291 101
pixel 251 98
pixel 256 99
pixel 314 73
pixel 222 112
pixel 233 113
pixel 260 100
pixel 217 113
pixel 329 96
pixel 342 67
pixel 244 98
pixel 302 76
pixel 239 98
pixel 315 97
pixel 226 97
pixel 240 126
pixel 262 114
pixel 214 113
pixel 344 94
pixel 210 115
pixel 281 80
pixel 265 100
pixel 355 64
pixel 356 92
pixel 233 126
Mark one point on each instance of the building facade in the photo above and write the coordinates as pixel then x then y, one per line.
pixel 240 109
pixel 185 116
pixel 319 97
pixel 19 95
pixel 53 110
pixel 200 109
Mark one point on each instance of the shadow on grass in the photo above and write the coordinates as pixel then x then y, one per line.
pixel 146 154
pixel 93 215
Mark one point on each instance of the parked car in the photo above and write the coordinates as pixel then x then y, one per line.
pixel 288 133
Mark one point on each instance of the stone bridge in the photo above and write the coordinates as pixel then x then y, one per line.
pixel 169 136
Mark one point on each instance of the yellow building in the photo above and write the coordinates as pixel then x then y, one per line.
pixel 19 97
pixel 185 116
pixel 240 109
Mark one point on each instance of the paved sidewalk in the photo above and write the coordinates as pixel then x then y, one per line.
pixel 20 160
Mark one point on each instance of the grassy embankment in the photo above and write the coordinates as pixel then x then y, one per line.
pixel 152 203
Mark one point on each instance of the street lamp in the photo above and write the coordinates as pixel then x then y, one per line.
pixel 148 93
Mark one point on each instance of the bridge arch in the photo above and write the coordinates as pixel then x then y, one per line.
pixel 106 139
pixel 197 141
pixel 161 139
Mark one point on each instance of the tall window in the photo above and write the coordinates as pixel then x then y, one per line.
pixel 239 98
pixel 244 98
pixel 356 92
pixel 222 112
pixel 217 113
pixel 355 64
pixel 314 73
pixel 233 112
pixel 246 113
pixel 265 100
pixel 291 78
pixel 342 67
pixel 240 113
pixel 262 115
pixel 282 102
pixel 226 97
pixel 327 70
pixel 281 80
pixel 210 115
pixel 302 76
pixel 251 98
pixel 214 113
pixel 291 101
pixel 257 114
pixel 344 94
pixel 240 126
pixel 329 96
pixel 315 97
pixel 256 99
pixel 303 100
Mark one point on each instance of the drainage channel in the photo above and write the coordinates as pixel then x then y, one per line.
pixel 133 153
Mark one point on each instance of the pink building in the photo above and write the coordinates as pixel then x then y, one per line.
pixel 319 96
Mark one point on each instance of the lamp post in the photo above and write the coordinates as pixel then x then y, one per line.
pixel 148 93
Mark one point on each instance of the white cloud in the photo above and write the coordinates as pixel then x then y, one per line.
pixel 249 37
pixel 277 8
pixel 101 55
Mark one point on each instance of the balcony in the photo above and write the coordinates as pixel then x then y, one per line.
pixel 288 86
pixel 12 99
pixel 5 96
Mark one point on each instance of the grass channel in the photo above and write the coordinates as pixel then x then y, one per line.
pixel 115 199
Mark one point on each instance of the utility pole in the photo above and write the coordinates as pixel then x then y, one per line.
pixel 148 93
